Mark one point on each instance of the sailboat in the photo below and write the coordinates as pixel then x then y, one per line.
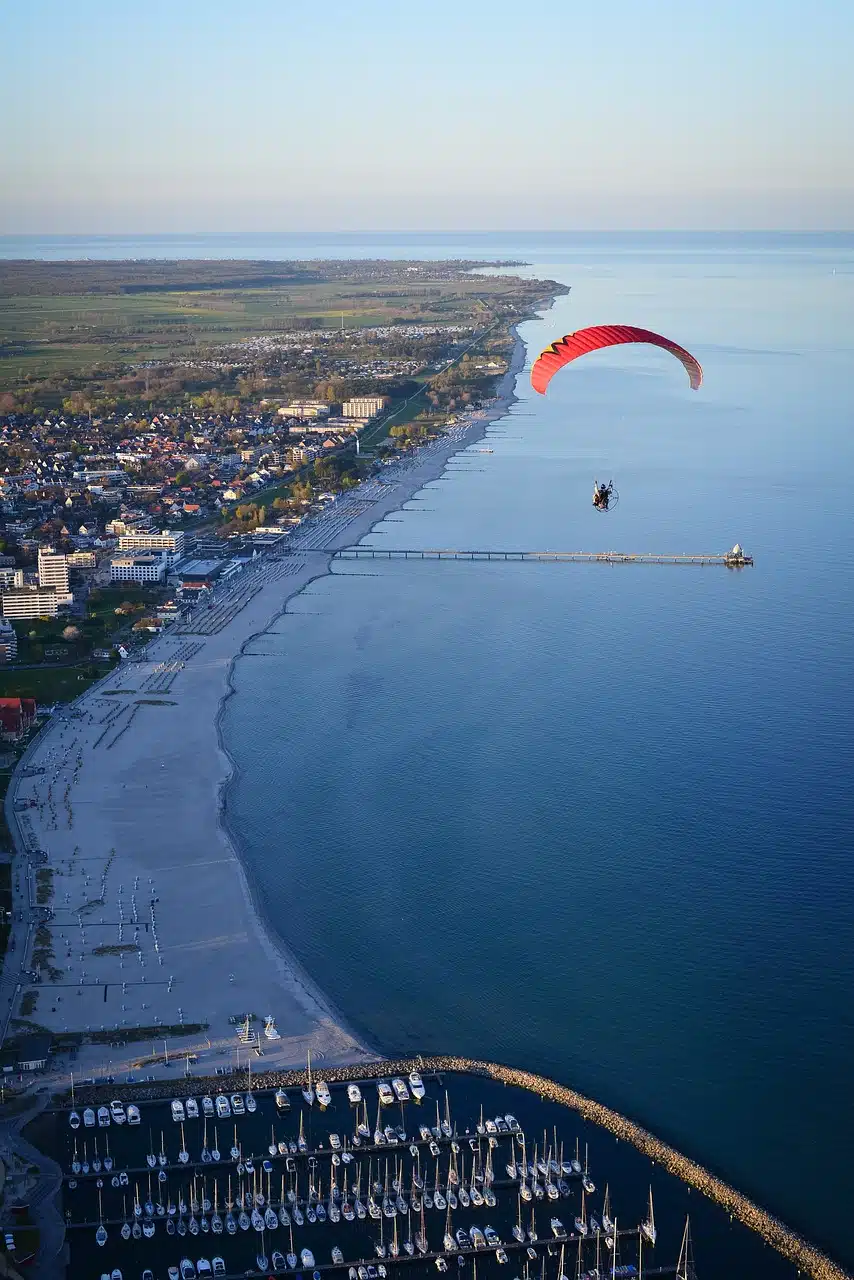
pixel 205 1155
pixel 581 1220
pixel 251 1104
pixel 446 1123
pixel 408 1246
pixel 230 1223
pixel 421 1235
pixel 518 1229
pixel 462 1192
pixel 648 1225
pixel 524 1190
pixel 73 1117
pixel 291 1257
pixel 216 1220
pixel 586 1180
pixel 685 1265
pixel 607 1221
pixel 284 1216
pixel 302 1145
pixel 308 1087
pixel 215 1155
pixel 438 1199
pixel 394 1247
pixel 449 1244
pixel 101 1233
pixel 261 1259
pixel 271 1218
pixel 183 1154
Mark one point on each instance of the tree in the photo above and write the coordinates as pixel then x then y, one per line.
pixel 71 633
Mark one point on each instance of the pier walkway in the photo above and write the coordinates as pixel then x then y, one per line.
pixel 568 557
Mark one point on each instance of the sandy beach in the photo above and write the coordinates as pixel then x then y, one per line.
pixel 154 917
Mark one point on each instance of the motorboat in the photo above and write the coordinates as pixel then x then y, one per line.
pixel 306 1258
pixel 192 1109
pixel 385 1093
pixel 283 1102
pixel 177 1110
pixel 416 1084
pixel 324 1097
pixel 278 1261
pixel 251 1104
pixel 103 1117
pixel 400 1090
pixel 188 1269
pixel 74 1120
pixel 354 1094
pixel 133 1114
pixel 89 1118
pixel 223 1106
pixel 237 1105
pixel 558 1229
pixel 208 1105
pixel 117 1111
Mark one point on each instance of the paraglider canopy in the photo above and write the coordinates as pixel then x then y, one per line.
pixel 573 345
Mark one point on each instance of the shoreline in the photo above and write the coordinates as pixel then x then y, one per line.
pixel 505 397
pixel 151 782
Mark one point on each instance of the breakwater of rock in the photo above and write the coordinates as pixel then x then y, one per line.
pixel 789 1243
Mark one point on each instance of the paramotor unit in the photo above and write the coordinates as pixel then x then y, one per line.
pixel 605 496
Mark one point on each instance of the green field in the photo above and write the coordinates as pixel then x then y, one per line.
pixel 50 684
pixel 45 329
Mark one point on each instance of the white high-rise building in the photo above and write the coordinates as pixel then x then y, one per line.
pixel 169 541
pixel 34 602
pixel 150 567
pixel 364 406
pixel 53 569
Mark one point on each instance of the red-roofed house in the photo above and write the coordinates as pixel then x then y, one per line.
pixel 16 716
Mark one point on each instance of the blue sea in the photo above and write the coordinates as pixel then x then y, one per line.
pixel 597 820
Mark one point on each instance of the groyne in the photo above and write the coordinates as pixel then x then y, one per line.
pixel 787 1242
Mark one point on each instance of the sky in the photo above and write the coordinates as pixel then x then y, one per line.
pixel 299 115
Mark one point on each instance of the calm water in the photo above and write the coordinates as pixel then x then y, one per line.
pixel 597 820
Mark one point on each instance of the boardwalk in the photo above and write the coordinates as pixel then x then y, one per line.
pixel 564 557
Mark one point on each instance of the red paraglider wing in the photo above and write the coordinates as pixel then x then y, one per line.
pixel 605 335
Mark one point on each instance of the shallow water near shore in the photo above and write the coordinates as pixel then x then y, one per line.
pixel 595 820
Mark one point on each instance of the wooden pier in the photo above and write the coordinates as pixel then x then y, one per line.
pixel 728 559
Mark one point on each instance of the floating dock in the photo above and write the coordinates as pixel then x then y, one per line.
pixel 729 559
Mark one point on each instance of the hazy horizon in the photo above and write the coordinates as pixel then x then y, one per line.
pixel 157 117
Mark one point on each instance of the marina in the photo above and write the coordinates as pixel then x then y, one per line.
pixel 481 1171
pixel 343 1187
